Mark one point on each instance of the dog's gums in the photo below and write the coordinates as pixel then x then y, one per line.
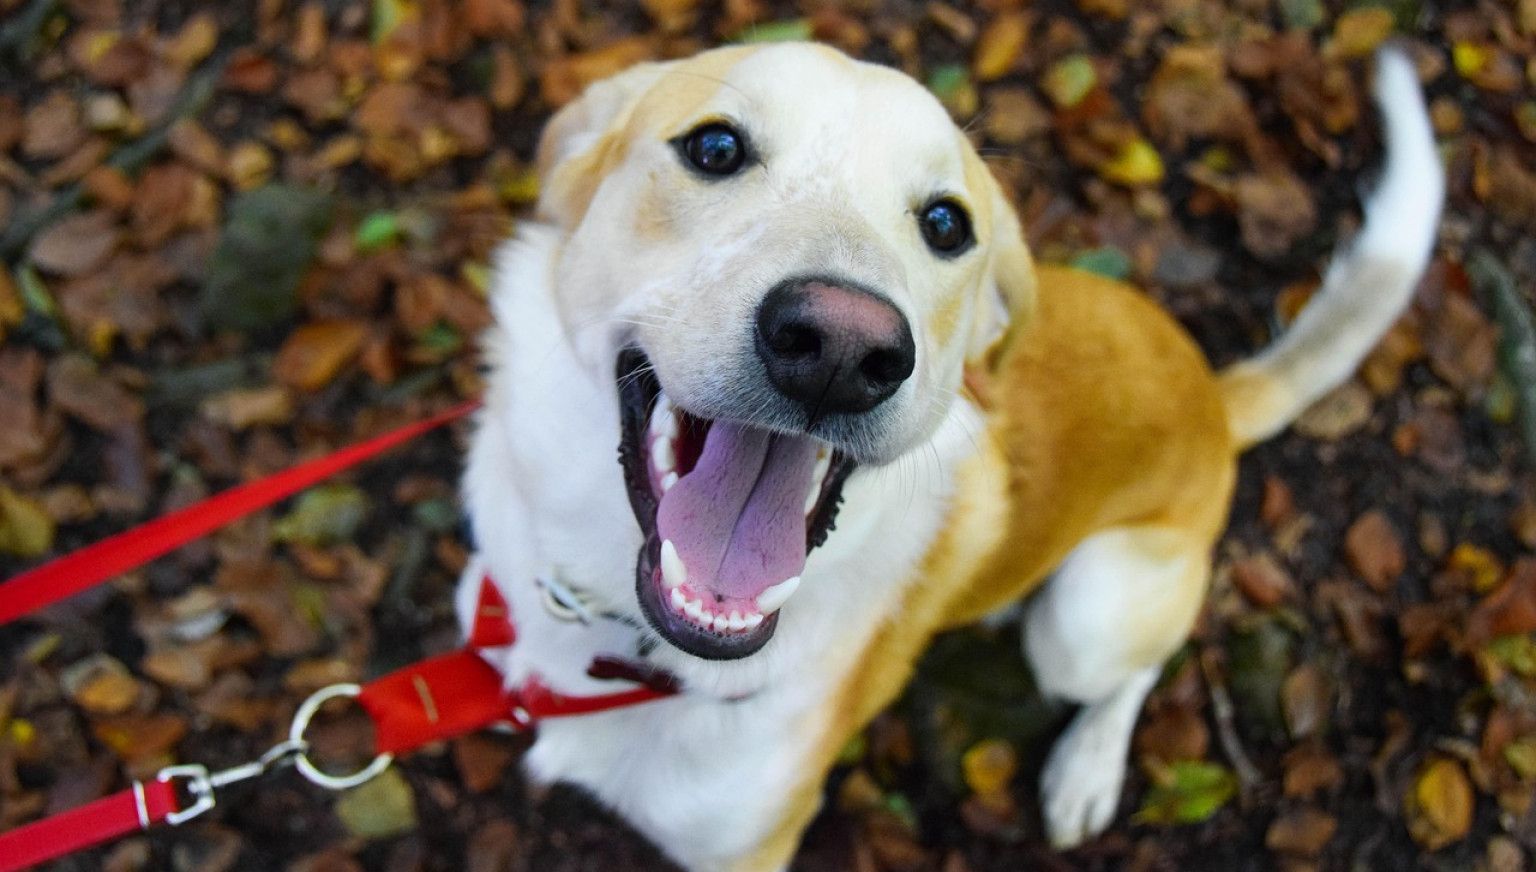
pixel 729 512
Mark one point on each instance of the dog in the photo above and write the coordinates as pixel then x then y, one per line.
pixel 851 412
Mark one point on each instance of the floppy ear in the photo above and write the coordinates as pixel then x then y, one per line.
pixel 582 138
pixel 1008 293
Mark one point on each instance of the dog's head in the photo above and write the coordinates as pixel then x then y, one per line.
pixel 785 257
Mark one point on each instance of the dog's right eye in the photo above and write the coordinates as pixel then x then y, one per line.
pixel 715 149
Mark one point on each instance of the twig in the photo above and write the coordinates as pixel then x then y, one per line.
pixel 1248 775
pixel 192 100
pixel 1517 340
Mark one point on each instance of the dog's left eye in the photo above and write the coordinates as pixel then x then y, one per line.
pixel 716 149
pixel 946 227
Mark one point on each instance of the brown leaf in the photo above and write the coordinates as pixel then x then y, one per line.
pixel 77 244
pixel 1305 699
pixel 495 846
pixel 1510 609
pixel 52 127
pixel 565 77
pixel 1374 550
pixel 481 760
pixel 250 71
pixel 1274 210
pixel 195 41
pixel 1439 805
pixel 1263 580
pixel 1173 733
pixel 507 80
pixel 1305 831
pixel 75 386
pixel 140 737
pixel 1310 768
pixel 101 685
pixel 315 353
pixel 1461 342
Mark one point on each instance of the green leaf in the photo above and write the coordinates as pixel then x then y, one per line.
pixel 379 230
pixel 323 515
pixel 34 293
pixel 1516 652
pixel 1069 80
pixel 1302 14
pixel 792 30
pixel 1107 261
pixel 388 15
pixel 1521 756
pixel 1192 791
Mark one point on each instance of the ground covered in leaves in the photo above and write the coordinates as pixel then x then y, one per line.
pixel 238 235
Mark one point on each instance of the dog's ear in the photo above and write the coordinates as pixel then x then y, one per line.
pixel 1008 293
pixel 582 137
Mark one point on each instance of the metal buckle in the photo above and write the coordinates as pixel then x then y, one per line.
pixel 202 785
pixel 301 761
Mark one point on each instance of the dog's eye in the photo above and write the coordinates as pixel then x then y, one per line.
pixel 946 227
pixel 716 149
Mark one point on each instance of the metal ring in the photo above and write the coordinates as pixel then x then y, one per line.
pixel 301 760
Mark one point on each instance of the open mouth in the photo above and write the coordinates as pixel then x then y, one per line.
pixel 729 512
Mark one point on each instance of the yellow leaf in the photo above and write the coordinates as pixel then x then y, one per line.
pixel 1000 45
pixel 1478 564
pixel 989 766
pixel 1439 807
pixel 1470 58
pixel 1137 163
pixel 1358 32
pixel 26 530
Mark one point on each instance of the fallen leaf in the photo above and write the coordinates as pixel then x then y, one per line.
pixel 1185 793
pixel 380 808
pixel 1304 832
pixel 1069 80
pixel 1439 806
pixel 1359 31
pixel 323 515
pixel 26 529
pixel 267 244
pixel 1263 580
pixel 1374 550
pixel 76 244
pixel 101 685
pixel 1340 412
pixel 314 354
pixel 1000 45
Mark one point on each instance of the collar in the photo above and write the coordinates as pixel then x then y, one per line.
pixel 494 627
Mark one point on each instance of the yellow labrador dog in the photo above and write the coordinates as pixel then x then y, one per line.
pixel 776 393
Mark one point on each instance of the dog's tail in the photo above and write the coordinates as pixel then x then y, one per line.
pixel 1367 286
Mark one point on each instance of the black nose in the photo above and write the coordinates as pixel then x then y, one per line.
pixel 831 348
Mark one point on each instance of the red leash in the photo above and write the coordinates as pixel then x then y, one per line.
pixel 94 564
pixel 426 702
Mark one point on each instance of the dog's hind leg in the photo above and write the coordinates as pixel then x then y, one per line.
pixel 1097 634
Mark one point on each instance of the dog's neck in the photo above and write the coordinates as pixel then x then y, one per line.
pixel 547 500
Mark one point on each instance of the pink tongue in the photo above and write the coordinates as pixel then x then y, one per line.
pixel 738 519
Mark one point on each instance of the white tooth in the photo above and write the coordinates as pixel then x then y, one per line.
pixel 661 455
pixel 771 599
pixel 753 621
pixel 722 623
pixel 661 416
pixel 673 572
pixel 667 481
pixel 736 621
pixel 812 498
pixel 695 610
pixel 679 601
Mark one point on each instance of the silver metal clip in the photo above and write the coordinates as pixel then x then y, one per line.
pixel 202 784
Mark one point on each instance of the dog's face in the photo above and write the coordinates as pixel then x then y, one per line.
pixel 785 257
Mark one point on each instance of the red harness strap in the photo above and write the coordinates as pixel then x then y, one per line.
pixel 110 817
pixel 94 564
pixel 454 694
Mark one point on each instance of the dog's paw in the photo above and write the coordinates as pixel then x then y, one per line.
pixel 1080 786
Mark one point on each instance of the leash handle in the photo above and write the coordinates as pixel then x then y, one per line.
pixel 138 808
pixel 81 570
